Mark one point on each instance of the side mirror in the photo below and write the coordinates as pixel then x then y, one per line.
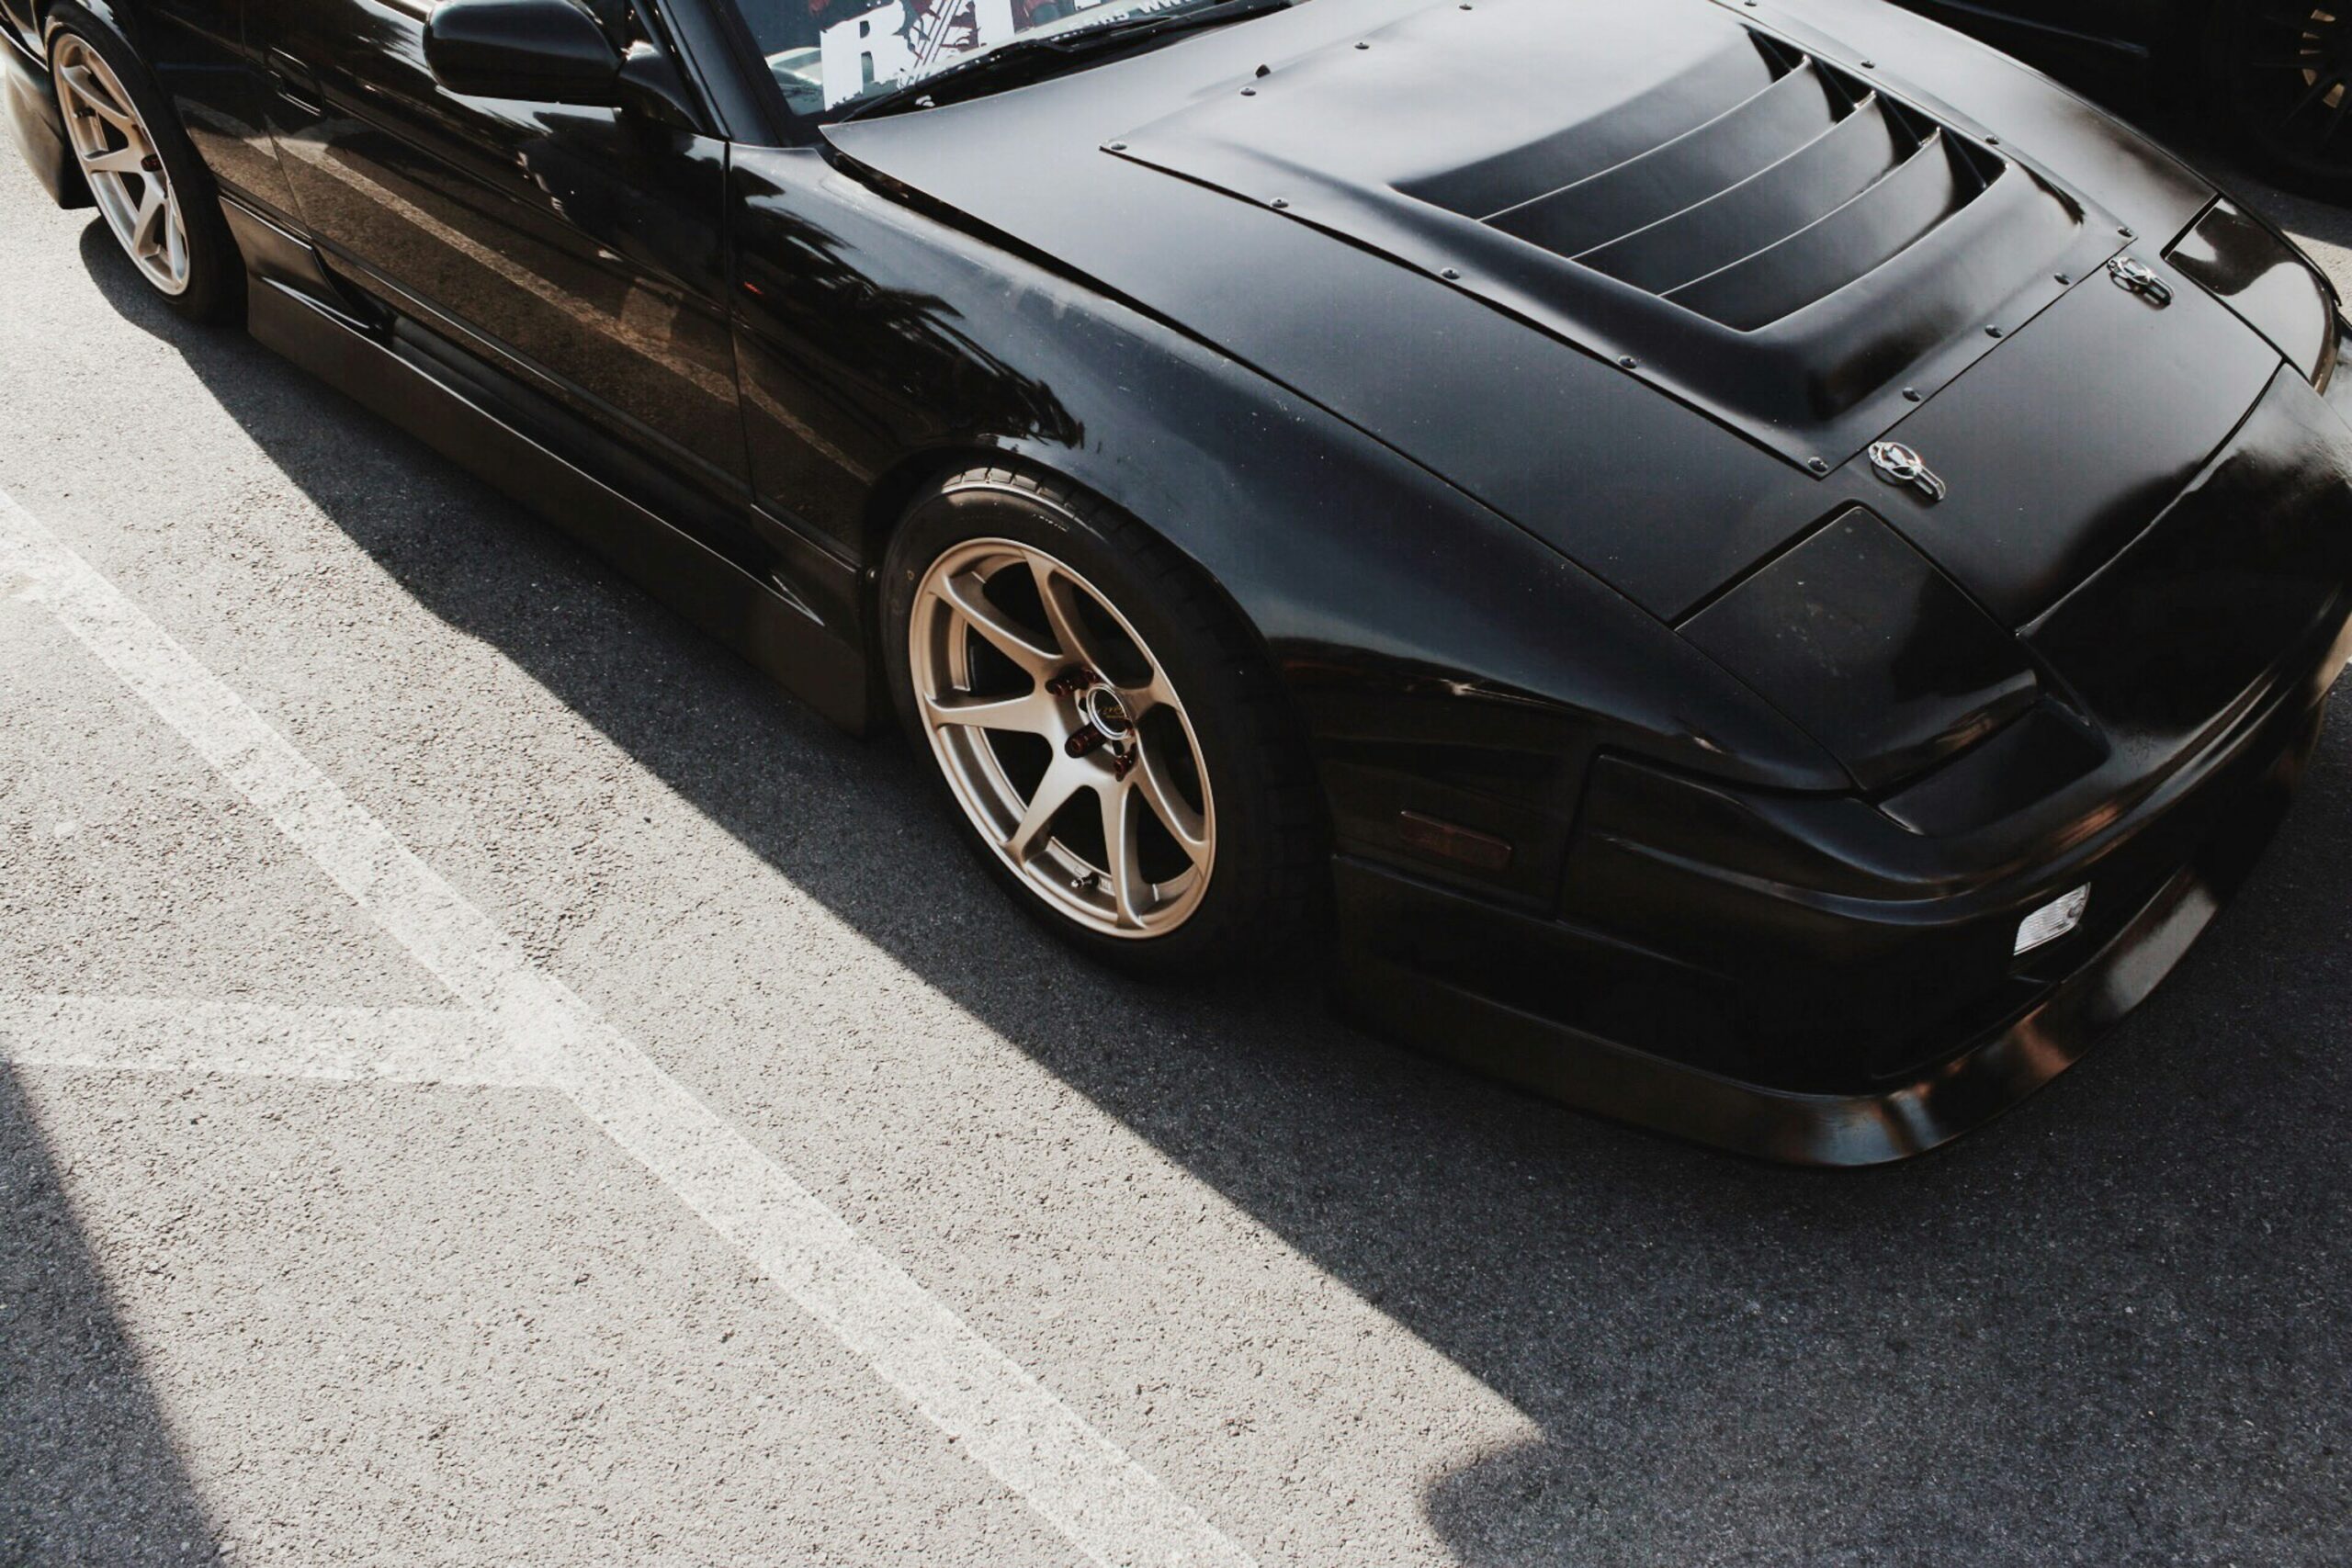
pixel 548 52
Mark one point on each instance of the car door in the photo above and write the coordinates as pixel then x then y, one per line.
pixel 581 248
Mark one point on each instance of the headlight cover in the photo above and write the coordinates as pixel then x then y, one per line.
pixel 2241 262
pixel 1870 649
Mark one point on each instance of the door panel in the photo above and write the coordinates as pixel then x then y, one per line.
pixel 585 244
pixel 197 48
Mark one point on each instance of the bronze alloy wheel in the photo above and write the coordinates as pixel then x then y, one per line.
pixel 1062 738
pixel 122 163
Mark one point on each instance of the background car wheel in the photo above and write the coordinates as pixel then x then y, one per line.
pixel 150 188
pixel 2281 76
pixel 1105 727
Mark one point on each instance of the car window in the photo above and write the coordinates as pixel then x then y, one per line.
pixel 828 54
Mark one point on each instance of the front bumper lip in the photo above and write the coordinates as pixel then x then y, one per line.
pixel 1978 1074
pixel 1837 1131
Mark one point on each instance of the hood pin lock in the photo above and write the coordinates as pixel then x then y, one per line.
pixel 2136 276
pixel 1899 465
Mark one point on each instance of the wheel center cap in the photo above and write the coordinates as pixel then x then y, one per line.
pixel 1102 709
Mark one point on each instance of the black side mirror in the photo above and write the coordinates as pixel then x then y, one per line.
pixel 548 52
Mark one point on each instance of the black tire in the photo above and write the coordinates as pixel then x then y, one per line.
pixel 216 283
pixel 1269 882
pixel 2293 125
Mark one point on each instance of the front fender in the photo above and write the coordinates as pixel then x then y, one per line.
pixel 1441 659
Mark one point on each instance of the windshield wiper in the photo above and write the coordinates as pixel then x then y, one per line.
pixel 1035 57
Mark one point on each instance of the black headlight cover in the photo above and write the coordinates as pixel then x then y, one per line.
pixel 2244 264
pixel 1870 649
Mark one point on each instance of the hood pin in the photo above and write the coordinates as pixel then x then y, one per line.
pixel 1899 465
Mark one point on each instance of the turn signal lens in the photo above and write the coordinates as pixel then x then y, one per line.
pixel 2053 920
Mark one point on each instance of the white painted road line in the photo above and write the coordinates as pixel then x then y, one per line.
pixel 158 1034
pixel 1112 1508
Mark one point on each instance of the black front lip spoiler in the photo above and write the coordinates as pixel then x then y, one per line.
pixel 1977 1082
pixel 1837 1131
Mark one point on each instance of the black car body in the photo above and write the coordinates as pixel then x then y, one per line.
pixel 2273 75
pixel 1676 759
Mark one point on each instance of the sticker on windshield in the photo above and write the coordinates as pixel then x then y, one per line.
pixel 903 40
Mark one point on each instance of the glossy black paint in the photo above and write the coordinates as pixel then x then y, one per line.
pixel 578 249
pixel 546 51
pixel 1755 223
pixel 2246 265
pixel 1812 630
pixel 2084 475
pixel 1558 552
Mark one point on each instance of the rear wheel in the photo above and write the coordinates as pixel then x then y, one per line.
pixel 149 185
pixel 2280 76
pixel 1117 751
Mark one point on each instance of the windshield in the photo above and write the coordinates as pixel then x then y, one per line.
pixel 828 55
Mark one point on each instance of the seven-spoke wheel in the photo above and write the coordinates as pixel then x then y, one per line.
pixel 1105 724
pixel 1062 738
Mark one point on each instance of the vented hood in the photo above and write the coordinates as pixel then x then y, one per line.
pixel 1758 227
pixel 1645 276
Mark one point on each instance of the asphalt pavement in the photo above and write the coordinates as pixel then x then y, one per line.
pixel 485 1080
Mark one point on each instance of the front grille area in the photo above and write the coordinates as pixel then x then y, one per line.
pixel 1807 183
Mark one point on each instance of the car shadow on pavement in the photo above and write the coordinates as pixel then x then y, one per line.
pixel 2111 1328
pixel 89 1470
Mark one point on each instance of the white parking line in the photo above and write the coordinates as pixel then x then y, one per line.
pixel 160 1034
pixel 1114 1510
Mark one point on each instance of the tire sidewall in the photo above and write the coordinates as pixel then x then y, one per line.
pixel 215 288
pixel 1210 683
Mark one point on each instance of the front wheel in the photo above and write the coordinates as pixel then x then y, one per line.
pixel 1123 760
pixel 2279 75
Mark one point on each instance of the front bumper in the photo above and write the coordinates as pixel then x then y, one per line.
pixel 1476 993
pixel 1833 981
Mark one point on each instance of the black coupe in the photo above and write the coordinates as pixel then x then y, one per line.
pixel 2275 75
pixel 1753 566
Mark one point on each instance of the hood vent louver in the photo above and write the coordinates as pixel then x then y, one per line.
pixel 1781 236
pixel 1810 183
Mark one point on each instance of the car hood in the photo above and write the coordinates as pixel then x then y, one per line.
pixel 1751 220
pixel 1653 280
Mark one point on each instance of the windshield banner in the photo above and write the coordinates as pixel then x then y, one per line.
pixel 905 39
